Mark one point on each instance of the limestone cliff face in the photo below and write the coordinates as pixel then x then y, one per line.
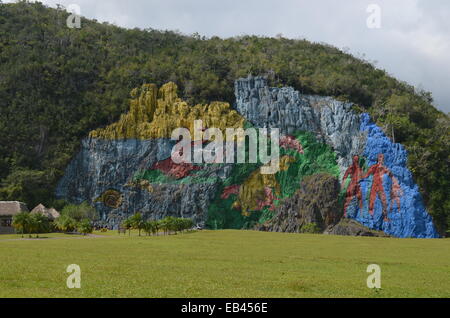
pixel 330 120
pixel 406 213
pixel 392 204
pixel 313 208
pixel 103 173
pixel 106 171
pixel 126 167
pixel 156 113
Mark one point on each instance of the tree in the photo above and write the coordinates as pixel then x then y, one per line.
pixel 179 224
pixel 188 224
pixel 128 224
pixel 137 222
pixel 85 226
pixel 149 227
pixel 156 227
pixel 21 222
pixel 65 223
pixel 80 212
pixel 172 224
pixel 164 225
pixel 38 224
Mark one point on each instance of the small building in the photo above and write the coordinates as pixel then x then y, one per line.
pixel 8 209
pixel 51 213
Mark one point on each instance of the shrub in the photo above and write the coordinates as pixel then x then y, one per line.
pixel 85 227
pixel 312 228
pixel 65 223
pixel 80 212
pixel 21 222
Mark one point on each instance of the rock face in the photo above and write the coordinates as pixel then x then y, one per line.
pixel 156 113
pixel 350 227
pixel 406 211
pixel 330 120
pixel 126 167
pixel 349 134
pixel 104 165
pixel 314 207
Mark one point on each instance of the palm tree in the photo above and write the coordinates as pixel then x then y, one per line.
pixel 149 227
pixel 65 223
pixel 137 222
pixel 85 227
pixel 21 222
pixel 164 225
pixel 38 224
pixel 156 227
pixel 127 224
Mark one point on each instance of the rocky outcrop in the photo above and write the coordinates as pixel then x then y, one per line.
pixel 156 113
pixel 126 167
pixel 350 227
pixel 330 120
pixel 105 172
pixel 393 203
pixel 108 166
pixel 406 213
pixel 314 207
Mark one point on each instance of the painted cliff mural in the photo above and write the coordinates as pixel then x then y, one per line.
pixel 378 171
pixel 334 164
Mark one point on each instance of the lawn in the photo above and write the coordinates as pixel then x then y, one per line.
pixel 225 264
pixel 33 236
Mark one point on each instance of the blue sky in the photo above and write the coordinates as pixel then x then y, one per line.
pixel 412 44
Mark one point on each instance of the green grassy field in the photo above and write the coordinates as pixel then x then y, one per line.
pixel 225 264
pixel 9 237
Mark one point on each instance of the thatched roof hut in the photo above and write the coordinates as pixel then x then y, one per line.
pixel 51 213
pixel 8 209
pixel 11 208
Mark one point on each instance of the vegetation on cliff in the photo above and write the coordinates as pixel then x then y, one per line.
pixel 57 84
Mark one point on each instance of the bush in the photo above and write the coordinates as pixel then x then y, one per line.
pixel 85 227
pixel 172 224
pixel 80 212
pixel 27 223
pixel 311 228
pixel 65 223
pixel 168 224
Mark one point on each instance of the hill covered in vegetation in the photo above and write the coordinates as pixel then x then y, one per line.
pixel 57 84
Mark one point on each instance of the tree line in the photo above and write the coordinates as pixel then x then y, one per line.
pixel 167 225
pixel 81 219
pixel 73 218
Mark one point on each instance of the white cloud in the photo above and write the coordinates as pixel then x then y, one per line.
pixel 412 44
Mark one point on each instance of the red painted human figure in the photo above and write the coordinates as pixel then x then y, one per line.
pixel 354 189
pixel 396 193
pixel 378 171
